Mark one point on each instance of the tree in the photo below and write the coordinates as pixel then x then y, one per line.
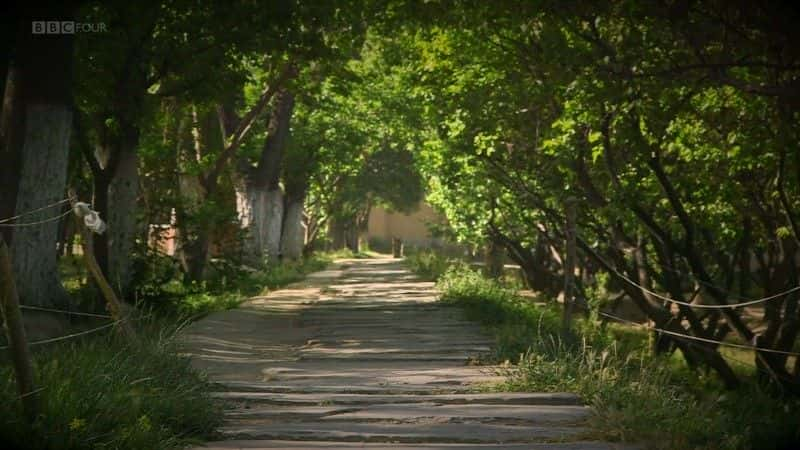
pixel 664 144
pixel 163 51
pixel 36 125
pixel 260 196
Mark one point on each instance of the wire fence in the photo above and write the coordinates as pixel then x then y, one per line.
pixel 697 338
pixel 38 222
pixel 51 205
pixel 8 222
pixel 622 276
pixel 690 340
pixel 62 311
pixel 70 336
pixel 726 290
pixel 628 280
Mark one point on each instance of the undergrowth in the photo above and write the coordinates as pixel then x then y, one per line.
pixel 429 265
pixel 346 253
pixel 101 393
pixel 635 396
pixel 226 288
pixel 98 392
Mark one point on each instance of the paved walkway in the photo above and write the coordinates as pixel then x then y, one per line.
pixel 361 356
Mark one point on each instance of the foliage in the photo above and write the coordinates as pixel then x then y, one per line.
pixel 101 393
pixel 672 125
pixel 635 397
pixel 363 150
pixel 231 286
pixel 428 264
pixel 618 106
pixel 346 253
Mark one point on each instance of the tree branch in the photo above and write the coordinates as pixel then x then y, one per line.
pixel 235 140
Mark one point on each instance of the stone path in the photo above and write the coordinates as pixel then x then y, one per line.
pixel 361 356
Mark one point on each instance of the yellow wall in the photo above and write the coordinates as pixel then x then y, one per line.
pixel 410 228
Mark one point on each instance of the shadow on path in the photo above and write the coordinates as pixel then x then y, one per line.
pixel 361 356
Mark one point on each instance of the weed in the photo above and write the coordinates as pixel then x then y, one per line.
pixel 635 396
pixel 99 392
pixel 428 264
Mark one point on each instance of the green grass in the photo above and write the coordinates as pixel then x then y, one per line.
pixel 158 288
pixel 346 253
pixel 100 393
pixel 227 288
pixel 635 396
pixel 429 265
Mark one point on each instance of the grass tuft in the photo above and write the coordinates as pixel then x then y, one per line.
pixel 227 289
pixel 98 393
pixel 429 265
pixel 635 397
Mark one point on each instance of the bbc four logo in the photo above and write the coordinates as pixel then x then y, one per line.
pixel 66 27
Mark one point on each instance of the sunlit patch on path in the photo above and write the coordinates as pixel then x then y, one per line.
pixel 361 356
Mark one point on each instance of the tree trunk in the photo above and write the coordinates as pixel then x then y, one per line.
pixel 250 205
pixel 113 304
pixel 273 222
pixel 269 165
pixel 193 231
pixel 294 230
pixel 351 236
pixel 336 233
pixel 12 134
pixel 15 334
pixel 100 183
pixel 260 214
pixel 362 228
pixel 114 165
pixel 123 192
pixel 194 255
pixel 42 180
pixel 493 258
pixel 266 178
pixel 36 125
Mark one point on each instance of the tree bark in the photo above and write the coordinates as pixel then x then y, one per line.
pixel 294 229
pixel 100 183
pixel 36 130
pixel 15 333
pixel 273 224
pixel 569 264
pixel 493 259
pixel 250 208
pixel 351 235
pixel 122 224
pixel 193 231
pixel 336 233
pixel 12 134
pixel 362 227
pixel 42 181
pixel 261 213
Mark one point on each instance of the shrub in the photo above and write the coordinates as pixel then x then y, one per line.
pixel 428 264
pixel 101 393
pixel 635 397
pixel 228 286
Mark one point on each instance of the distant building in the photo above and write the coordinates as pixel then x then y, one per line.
pixel 413 229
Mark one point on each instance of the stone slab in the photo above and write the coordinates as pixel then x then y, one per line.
pixel 293 445
pixel 522 398
pixel 362 356
pixel 421 430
